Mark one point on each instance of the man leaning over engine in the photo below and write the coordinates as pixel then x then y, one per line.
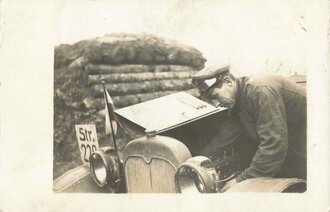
pixel 272 110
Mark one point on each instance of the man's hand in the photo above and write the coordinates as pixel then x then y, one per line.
pixel 229 184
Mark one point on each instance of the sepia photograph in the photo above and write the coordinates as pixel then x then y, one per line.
pixel 201 101
pixel 180 109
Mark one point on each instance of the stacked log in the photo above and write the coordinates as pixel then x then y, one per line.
pixel 132 84
pixel 136 86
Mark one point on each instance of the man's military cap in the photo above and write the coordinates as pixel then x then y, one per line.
pixel 211 72
pixel 208 77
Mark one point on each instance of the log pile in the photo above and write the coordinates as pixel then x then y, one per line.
pixel 135 67
pixel 131 84
pixel 138 67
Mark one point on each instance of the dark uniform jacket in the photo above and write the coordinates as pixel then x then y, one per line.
pixel 273 111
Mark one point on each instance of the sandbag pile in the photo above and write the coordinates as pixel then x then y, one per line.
pixel 141 49
pixel 123 48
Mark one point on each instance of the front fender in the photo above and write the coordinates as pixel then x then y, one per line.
pixel 77 180
pixel 268 184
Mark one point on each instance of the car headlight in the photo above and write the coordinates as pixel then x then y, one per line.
pixel 106 167
pixel 196 175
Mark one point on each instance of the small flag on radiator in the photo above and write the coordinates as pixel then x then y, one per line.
pixel 109 114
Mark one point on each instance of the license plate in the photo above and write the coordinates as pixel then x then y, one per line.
pixel 87 141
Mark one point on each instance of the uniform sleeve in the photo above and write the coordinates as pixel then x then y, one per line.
pixel 271 127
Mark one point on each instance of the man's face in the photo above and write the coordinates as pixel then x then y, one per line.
pixel 224 95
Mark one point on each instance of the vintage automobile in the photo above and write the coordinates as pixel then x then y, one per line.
pixel 165 158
